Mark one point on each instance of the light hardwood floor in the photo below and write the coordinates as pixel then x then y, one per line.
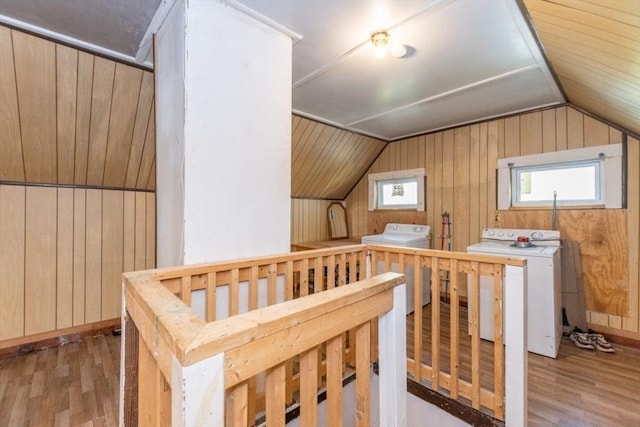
pixel 73 385
pixel 77 385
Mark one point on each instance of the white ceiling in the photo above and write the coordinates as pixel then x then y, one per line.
pixel 468 60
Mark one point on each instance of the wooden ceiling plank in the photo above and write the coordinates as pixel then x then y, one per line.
pixel 320 165
pixel 124 105
pixel 148 153
pixel 67 81
pixel 630 7
pixel 35 64
pixel 604 9
pixel 583 22
pixel 598 82
pixel 83 116
pixel 11 160
pixel 574 38
pixel 602 107
pixel 145 103
pixel 103 75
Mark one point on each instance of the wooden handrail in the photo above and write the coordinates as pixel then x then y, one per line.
pixel 173 333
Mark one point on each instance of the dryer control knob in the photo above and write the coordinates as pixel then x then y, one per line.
pixel 500 233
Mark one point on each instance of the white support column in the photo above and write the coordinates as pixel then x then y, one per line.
pixel 197 393
pixel 392 339
pixel 515 311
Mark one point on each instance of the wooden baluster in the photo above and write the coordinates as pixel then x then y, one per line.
pixel 417 326
pixel 185 290
pixel 288 278
pixel 498 348
pixel 353 268
pixel 309 387
pixel 475 335
pixel 334 381
pixel 234 292
pixel 211 297
pixel 363 379
pixel 238 398
pixel 304 277
pixel 318 275
pixel 272 284
pixel 331 272
pixel 435 324
pixel 253 287
pixel 455 327
pixel 289 293
pixel 275 399
pixel 342 269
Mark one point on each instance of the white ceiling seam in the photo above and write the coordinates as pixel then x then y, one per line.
pixel 448 93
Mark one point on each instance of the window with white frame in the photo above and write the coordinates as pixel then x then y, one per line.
pixel 397 190
pixel 589 177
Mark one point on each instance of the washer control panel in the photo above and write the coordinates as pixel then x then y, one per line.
pixel 512 234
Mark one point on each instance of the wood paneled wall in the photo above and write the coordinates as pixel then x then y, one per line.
pixel 69 117
pixel 63 251
pixel 460 165
pixel 326 162
pixel 309 220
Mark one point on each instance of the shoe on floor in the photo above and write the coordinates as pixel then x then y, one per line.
pixel 582 340
pixel 600 342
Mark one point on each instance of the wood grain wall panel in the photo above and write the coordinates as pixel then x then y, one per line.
pixel 12 235
pixel 462 162
pixel 84 94
pixel 93 257
pixel 309 220
pixel 129 232
pixel 40 260
pixel 549 131
pixel 140 250
pixel 124 104
pixel 35 71
pixel 143 115
pixel 66 93
pixel 148 153
pixel 531 133
pixel 101 98
pixel 327 162
pixel 112 252
pixel 151 230
pixel 64 259
pixel 11 161
pixel 79 254
pixel 151 182
pixel 70 117
pixel 63 252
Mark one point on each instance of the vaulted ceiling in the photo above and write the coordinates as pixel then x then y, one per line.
pixel 467 61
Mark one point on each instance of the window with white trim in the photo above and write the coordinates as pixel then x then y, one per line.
pixel 587 177
pixel 397 190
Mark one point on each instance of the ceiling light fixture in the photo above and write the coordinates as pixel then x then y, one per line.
pixel 379 39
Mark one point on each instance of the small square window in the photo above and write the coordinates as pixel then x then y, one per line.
pixel 397 190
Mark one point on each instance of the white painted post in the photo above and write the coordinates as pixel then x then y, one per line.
pixel 392 339
pixel 515 313
pixel 197 393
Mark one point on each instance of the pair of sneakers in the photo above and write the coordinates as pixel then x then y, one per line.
pixel 590 340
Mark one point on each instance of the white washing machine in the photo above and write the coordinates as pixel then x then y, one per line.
pixel 411 236
pixel 544 297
